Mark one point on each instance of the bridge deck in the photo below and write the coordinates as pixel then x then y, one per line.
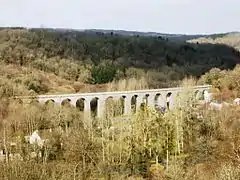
pixel 119 92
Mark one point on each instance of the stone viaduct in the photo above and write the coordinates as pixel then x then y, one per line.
pixel 130 99
pixel 163 97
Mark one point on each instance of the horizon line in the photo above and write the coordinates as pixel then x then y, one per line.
pixel 118 29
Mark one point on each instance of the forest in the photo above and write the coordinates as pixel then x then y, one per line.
pixel 76 55
pixel 149 145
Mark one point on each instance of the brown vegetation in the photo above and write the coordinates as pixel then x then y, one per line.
pixel 112 148
pixel 147 145
pixel 96 58
pixel 232 40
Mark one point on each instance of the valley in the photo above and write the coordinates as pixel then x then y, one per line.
pixel 146 145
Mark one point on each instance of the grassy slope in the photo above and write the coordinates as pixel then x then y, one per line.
pixel 21 79
pixel 21 76
pixel 232 40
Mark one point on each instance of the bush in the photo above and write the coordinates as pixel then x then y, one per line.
pixel 36 84
pixel 156 172
pixel 102 74
pixel 213 77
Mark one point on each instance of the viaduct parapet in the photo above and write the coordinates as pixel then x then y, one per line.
pixel 162 97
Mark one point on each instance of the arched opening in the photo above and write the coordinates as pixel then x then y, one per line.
pixel 50 101
pixel 198 95
pixel 94 105
pixel 34 102
pixel 134 103
pixel 109 107
pixel 66 102
pixel 159 100
pixel 168 100
pixel 205 92
pixel 159 103
pixel 120 104
pixel 206 96
pixel 80 104
pixel 114 107
pixel 144 101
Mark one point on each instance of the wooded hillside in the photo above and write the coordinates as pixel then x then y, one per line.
pixel 191 142
pixel 232 40
pixel 98 58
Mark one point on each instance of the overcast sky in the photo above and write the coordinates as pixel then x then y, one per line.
pixel 166 16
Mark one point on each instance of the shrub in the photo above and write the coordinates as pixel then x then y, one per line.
pixel 102 73
pixel 213 77
pixel 36 84
pixel 156 172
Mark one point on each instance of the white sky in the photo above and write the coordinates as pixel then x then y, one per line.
pixel 165 16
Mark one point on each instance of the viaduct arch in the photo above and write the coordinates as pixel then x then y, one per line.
pixel 130 100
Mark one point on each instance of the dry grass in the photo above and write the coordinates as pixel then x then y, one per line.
pixel 55 85
pixel 128 84
pixel 19 75
pixel 188 82
pixel 232 40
